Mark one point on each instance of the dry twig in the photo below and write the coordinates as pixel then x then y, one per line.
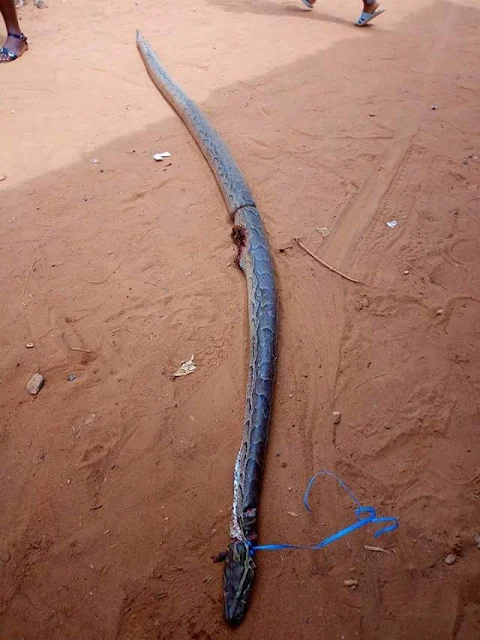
pixel 343 275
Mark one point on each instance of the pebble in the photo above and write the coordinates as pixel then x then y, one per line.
pixel 351 583
pixel 35 384
pixel 439 312
pixel 406 272
pixel 29 345
pixel 337 416
pixel 477 540
pixel 71 377
pixel 451 558
pixel 2 178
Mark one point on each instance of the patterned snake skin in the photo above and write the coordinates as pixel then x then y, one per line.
pixel 255 261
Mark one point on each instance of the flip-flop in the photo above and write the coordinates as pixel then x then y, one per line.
pixel 308 4
pixel 366 17
pixel 12 55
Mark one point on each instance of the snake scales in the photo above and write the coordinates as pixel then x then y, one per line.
pixel 255 260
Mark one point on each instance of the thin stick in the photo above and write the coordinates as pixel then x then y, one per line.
pixel 367 547
pixel 343 275
pixel 28 276
pixel 78 349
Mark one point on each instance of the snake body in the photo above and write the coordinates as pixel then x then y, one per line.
pixel 255 260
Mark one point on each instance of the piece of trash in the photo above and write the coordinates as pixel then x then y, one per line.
pixel 351 583
pixel 367 547
pixel 392 224
pixel 323 231
pixel 29 345
pixel 71 377
pixel 186 367
pixel 434 107
pixel 40 4
pixel 161 156
pixel 450 558
pixel 95 161
pixel 35 384
pixel 293 514
pixel 90 419
pixel 283 249
pixel 337 416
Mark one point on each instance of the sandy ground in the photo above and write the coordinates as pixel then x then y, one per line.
pixel 116 488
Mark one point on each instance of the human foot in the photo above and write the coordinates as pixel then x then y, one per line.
pixel 15 45
pixel 370 11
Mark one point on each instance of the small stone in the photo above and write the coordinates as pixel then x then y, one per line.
pixel 434 107
pixel 292 514
pixel 29 345
pixel 451 558
pixel 337 416
pixel 71 377
pixel 284 465
pixel 35 384
pixel 2 178
pixel 351 583
pixel 477 540
pixel 439 312
pixel 406 272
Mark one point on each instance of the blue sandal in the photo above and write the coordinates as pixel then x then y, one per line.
pixel 12 55
pixel 308 4
pixel 366 17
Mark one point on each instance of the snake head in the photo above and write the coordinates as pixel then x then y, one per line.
pixel 238 579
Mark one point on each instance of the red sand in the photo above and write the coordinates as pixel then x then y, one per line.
pixel 116 488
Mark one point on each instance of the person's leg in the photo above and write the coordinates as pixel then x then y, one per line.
pixel 368 7
pixel 370 10
pixel 16 43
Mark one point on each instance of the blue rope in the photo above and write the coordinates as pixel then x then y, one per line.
pixel 365 515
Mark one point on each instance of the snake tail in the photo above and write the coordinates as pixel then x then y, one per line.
pixel 255 260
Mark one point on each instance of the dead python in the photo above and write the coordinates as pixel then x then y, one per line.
pixel 255 260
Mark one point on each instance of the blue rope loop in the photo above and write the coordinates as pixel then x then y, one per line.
pixel 365 515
